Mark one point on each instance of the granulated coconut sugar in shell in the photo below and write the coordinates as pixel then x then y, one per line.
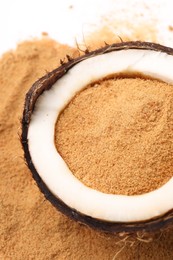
pixel 30 227
pixel 116 135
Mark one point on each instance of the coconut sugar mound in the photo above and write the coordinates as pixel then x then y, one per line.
pixel 30 227
pixel 113 32
pixel 116 135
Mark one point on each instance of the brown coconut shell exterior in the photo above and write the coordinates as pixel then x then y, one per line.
pixel 45 83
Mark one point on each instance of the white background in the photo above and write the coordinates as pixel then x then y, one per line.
pixel 69 19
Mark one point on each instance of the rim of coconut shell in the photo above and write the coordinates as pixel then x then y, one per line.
pixel 45 83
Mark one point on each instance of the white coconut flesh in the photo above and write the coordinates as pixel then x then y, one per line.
pixel 54 171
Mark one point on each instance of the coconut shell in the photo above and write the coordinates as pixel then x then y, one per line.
pixel 45 83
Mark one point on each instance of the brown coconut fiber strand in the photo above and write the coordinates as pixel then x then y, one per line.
pixel 116 135
pixel 30 227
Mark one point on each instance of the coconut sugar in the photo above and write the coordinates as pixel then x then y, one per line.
pixel 116 135
pixel 30 227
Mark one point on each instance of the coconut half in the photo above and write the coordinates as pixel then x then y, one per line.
pixel 44 102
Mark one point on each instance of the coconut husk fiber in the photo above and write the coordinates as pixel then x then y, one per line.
pixel 30 227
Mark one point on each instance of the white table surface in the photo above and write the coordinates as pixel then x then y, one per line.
pixel 68 20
